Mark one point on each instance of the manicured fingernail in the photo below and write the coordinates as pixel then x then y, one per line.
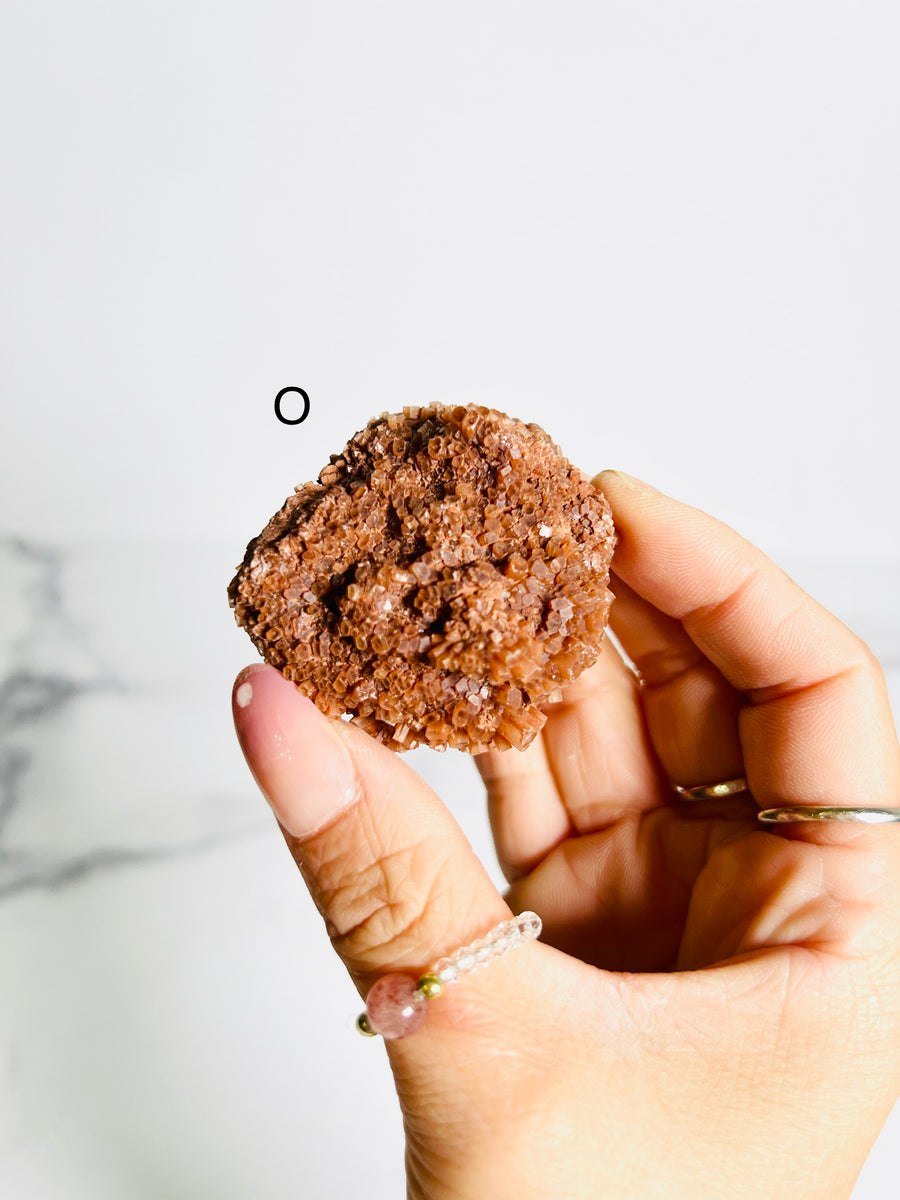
pixel 297 758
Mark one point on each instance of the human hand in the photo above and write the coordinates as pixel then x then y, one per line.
pixel 714 1010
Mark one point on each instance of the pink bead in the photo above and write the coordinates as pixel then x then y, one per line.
pixel 394 1008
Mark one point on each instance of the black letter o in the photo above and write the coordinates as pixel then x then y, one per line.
pixel 287 420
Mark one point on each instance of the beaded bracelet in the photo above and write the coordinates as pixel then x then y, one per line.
pixel 395 1005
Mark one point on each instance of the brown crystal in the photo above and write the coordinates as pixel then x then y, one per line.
pixel 446 575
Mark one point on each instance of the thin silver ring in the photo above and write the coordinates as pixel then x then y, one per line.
pixel 713 791
pixel 825 812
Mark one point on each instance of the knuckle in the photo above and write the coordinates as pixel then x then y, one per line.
pixel 373 903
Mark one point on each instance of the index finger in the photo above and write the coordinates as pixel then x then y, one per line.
pixel 816 727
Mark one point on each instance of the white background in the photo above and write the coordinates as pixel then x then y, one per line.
pixel 667 232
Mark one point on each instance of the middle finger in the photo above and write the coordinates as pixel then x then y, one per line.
pixel 592 764
pixel 691 709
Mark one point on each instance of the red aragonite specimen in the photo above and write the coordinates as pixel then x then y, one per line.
pixel 445 576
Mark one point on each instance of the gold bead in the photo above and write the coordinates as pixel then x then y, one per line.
pixel 363 1026
pixel 430 986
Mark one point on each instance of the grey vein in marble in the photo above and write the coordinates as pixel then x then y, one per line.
pixel 39 632
pixel 18 875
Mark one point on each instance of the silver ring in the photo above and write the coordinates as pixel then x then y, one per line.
pixel 713 791
pixel 826 812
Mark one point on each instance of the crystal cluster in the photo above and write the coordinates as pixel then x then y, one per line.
pixel 446 575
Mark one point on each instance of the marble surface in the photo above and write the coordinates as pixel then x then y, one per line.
pixel 172 1019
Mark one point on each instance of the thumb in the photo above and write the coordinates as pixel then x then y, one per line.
pixel 389 869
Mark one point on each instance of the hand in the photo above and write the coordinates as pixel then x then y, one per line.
pixel 714 1008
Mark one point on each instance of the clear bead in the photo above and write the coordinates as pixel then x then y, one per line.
pixel 529 924
pixel 446 971
pixel 485 950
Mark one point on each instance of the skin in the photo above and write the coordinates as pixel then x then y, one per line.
pixel 714 1007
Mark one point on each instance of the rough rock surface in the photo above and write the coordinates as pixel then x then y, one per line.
pixel 446 575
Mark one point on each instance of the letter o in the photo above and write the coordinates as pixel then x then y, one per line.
pixel 291 420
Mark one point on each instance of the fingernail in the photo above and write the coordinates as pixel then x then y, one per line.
pixel 611 478
pixel 299 761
